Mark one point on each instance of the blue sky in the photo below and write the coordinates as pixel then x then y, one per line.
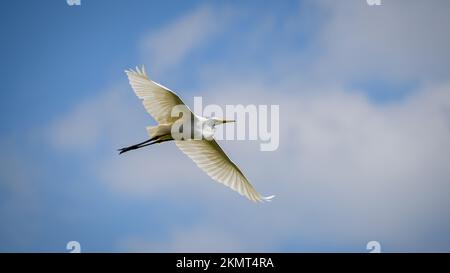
pixel 364 119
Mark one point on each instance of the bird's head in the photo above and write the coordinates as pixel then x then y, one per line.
pixel 217 121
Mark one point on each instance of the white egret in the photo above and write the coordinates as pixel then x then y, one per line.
pixel 205 152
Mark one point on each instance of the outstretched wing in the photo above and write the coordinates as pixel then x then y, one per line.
pixel 209 157
pixel 157 99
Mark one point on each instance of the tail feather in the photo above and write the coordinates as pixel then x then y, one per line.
pixel 152 130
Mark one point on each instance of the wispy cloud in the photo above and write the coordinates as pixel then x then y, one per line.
pixel 170 45
pixel 367 171
pixel 398 41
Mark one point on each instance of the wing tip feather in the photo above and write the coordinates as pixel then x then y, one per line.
pixel 138 71
pixel 266 198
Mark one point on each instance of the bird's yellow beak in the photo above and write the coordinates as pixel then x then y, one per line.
pixel 228 120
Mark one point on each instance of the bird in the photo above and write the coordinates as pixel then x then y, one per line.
pixel 204 151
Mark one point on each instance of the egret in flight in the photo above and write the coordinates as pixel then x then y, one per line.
pixel 204 151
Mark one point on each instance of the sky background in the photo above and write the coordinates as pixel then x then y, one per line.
pixel 364 95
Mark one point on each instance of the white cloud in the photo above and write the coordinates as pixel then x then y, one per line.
pixel 168 46
pixel 400 40
pixel 361 171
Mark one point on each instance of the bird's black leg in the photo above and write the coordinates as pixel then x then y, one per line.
pixel 155 142
pixel 136 146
